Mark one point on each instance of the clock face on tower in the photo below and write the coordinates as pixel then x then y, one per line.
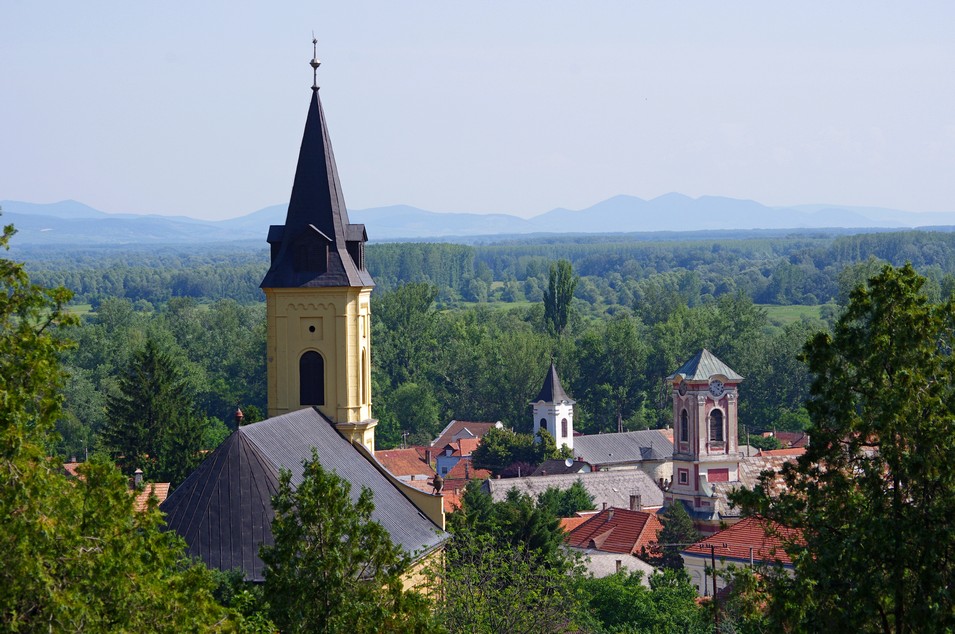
pixel 716 388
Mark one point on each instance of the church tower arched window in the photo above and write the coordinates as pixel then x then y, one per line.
pixel 716 425
pixel 684 426
pixel 543 424
pixel 563 428
pixel 311 379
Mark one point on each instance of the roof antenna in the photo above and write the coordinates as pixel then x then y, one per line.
pixel 314 63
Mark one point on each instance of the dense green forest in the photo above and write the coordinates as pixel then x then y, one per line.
pixel 464 331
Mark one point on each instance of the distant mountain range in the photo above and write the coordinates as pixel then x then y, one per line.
pixel 72 222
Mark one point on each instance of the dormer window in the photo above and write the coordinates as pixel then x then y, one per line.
pixel 311 257
pixel 357 252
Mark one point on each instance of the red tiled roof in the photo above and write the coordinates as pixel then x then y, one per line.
pixel 465 446
pixel 464 470
pixel 158 489
pixel 452 500
pixel 781 452
pixel 570 523
pixel 616 530
pixel 455 427
pixel 404 462
pixel 749 537
pixel 789 439
pixel 667 433
pixel 70 468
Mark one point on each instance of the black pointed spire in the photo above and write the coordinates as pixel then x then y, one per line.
pixel 317 246
pixel 552 391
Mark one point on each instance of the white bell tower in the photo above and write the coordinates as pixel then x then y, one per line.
pixel 554 411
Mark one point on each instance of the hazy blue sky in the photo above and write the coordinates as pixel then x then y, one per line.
pixel 517 107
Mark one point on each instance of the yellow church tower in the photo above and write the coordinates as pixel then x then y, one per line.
pixel 318 294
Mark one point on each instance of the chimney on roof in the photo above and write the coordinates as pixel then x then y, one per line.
pixel 610 515
pixel 137 478
pixel 543 471
pixel 239 416
pixel 427 456
pixel 467 469
pixel 636 502
pixel 605 506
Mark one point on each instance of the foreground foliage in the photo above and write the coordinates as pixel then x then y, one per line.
pixel 622 602
pixel 332 568
pixel 77 557
pixel 874 494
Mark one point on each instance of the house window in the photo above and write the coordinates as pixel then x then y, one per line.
pixel 716 426
pixel 563 428
pixel 311 379
pixel 543 424
pixel 684 426
pixel 684 476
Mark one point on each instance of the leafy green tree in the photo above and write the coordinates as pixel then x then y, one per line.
pixel 77 556
pixel 516 521
pixel 566 502
pixel 678 532
pixel 403 322
pixel 612 359
pixel 623 603
pixel 559 296
pixel 488 586
pixel 151 421
pixel 333 568
pixel 872 494
pixel 501 448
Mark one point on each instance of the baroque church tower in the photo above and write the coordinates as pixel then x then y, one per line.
pixel 554 411
pixel 705 447
pixel 318 294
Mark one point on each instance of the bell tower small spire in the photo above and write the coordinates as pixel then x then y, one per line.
pixel 314 63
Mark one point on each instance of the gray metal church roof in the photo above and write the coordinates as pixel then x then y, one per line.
pixel 702 366
pixel 223 509
pixel 317 221
pixel 628 446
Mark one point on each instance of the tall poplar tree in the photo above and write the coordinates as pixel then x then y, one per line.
pixel 558 297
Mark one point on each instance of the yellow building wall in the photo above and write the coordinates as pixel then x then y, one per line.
pixel 335 322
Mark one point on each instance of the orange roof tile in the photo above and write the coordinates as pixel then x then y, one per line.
pixel 457 427
pixel 158 489
pixel 465 446
pixel 798 451
pixel 667 433
pixel 452 500
pixel 464 470
pixel 403 462
pixel 748 538
pixel 616 530
pixel 570 523
pixel 70 468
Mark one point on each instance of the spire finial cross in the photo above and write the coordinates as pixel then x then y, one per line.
pixel 314 63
